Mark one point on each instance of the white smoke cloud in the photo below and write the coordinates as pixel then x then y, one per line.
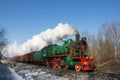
pixel 41 40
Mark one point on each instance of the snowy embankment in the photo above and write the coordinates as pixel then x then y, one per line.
pixel 7 73
pixel 15 75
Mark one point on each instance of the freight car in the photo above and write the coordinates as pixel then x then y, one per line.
pixel 27 58
pixel 70 53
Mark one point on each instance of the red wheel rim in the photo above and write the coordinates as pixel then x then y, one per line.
pixel 54 63
pixel 47 64
pixel 77 67
pixel 59 66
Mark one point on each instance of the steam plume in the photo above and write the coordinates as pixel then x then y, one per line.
pixel 41 40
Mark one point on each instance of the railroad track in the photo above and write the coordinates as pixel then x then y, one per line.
pixel 112 75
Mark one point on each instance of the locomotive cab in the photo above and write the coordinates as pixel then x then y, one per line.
pixel 78 47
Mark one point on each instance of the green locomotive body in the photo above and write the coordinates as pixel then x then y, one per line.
pixel 52 50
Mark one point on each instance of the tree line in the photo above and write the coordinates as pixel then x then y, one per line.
pixel 106 43
pixel 3 40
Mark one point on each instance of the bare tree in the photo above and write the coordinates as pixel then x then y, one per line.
pixel 3 40
pixel 108 41
pixel 115 27
pixel 106 44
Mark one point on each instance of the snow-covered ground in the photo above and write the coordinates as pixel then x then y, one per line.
pixel 32 72
pixel 40 75
pixel 22 71
pixel 45 76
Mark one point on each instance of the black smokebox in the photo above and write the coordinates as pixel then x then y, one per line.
pixel 77 37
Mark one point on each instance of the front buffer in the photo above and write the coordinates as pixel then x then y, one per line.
pixel 81 63
pixel 87 64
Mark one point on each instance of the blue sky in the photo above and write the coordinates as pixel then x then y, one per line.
pixel 25 18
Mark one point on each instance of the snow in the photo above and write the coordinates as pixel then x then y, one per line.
pixel 30 75
pixel 32 72
pixel 42 75
pixel 15 75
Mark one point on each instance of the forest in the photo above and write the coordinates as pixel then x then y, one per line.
pixel 105 44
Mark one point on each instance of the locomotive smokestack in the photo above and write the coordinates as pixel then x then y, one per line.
pixel 77 37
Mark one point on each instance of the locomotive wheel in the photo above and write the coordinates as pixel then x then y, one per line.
pixel 63 63
pixel 54 63
pixel 47 64
pixel 77 67
pixel 59 63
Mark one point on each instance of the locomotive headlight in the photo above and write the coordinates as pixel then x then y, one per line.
pixel 87 57
pixel 90 57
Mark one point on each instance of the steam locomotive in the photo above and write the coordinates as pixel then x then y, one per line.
pixel 69 53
